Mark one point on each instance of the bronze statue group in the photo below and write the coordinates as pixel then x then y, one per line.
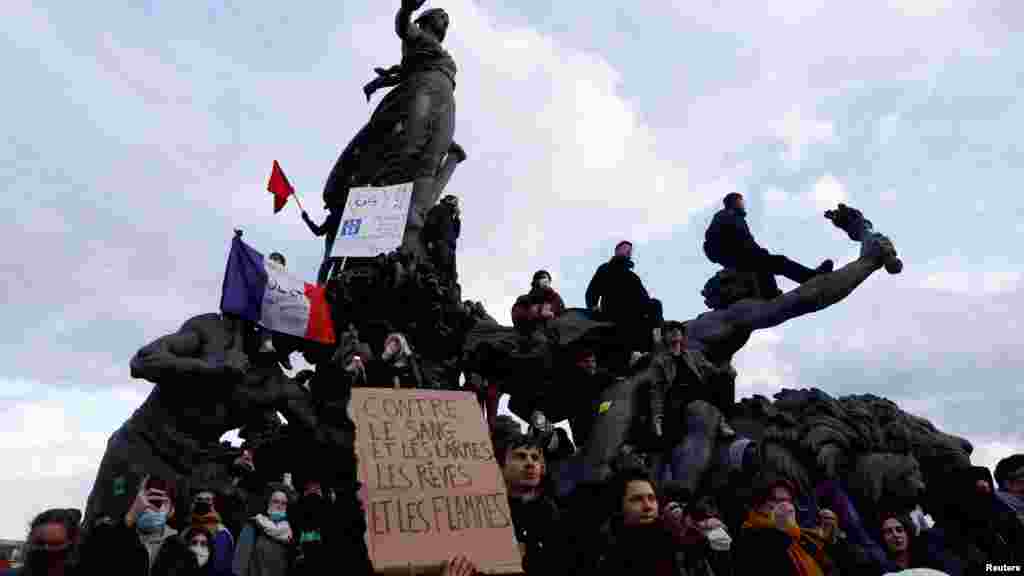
pixel 664 473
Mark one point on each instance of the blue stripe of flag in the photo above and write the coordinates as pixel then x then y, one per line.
pixel 245 281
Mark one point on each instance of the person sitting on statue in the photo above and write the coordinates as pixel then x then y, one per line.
pixel 265 546
pixel 729 242
pixel 540 304
pixel 536 519
pixel 441 234
pixel 616 294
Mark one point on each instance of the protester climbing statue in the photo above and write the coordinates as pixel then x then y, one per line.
pixel 210 377
pixel 737 310
pixel 409 136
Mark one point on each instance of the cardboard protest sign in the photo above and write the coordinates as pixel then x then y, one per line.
pixel 431 485
pixel 373 221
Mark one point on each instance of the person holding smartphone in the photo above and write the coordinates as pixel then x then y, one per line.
pixel 142 542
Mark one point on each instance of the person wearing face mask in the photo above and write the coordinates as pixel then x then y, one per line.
pixel 312 519
pixel 203 550
pixel 50 545
pixel 705 543
pixel 205 517
pixel 771 542
pixel 541 303
pixel 265 546
pixel 142 543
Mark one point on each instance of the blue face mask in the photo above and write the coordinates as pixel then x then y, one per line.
pixel 150 521
pixel 278 516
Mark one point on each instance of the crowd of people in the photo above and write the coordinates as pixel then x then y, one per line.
pixel 633 525
pixel 641 520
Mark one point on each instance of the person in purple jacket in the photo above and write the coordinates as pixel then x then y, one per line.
pixel 205 515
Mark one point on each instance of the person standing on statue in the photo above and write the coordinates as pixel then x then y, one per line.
pixel 441 234
pixel 729 242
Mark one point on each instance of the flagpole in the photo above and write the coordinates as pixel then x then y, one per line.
pixel 297 202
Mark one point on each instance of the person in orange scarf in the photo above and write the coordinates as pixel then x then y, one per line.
pixel 205 516
pixel 771 542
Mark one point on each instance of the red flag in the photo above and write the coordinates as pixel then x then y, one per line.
pixel 279 187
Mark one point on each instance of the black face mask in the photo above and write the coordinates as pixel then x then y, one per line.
pixel 202 508
pixel 41 560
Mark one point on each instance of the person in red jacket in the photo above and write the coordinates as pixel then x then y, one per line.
pixel 540 304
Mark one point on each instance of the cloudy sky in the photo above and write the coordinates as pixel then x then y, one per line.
pixel 139 134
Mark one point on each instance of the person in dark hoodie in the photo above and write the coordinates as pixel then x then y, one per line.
pixel 440 234
pixel 980 529
pixel 1010 476
pixel 535 516
pixel 729 242
pixel 616 294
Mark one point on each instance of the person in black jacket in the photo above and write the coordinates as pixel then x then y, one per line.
pixel 440 233
pixel 329 229
pixel 616 294
pixel 729 242
pixel 535 517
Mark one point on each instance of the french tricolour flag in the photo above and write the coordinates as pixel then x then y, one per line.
pixel 259 289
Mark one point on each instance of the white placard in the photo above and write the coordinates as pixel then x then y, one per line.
pixel 373 221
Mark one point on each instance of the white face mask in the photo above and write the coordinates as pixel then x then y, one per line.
pixel 202 554
pixel 719 539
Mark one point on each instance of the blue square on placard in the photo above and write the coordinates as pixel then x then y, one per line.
pixel 351 227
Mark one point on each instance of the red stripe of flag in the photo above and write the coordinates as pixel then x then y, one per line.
pixel 320 327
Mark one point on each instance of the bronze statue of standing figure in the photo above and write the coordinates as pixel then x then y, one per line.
pixel 409 136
